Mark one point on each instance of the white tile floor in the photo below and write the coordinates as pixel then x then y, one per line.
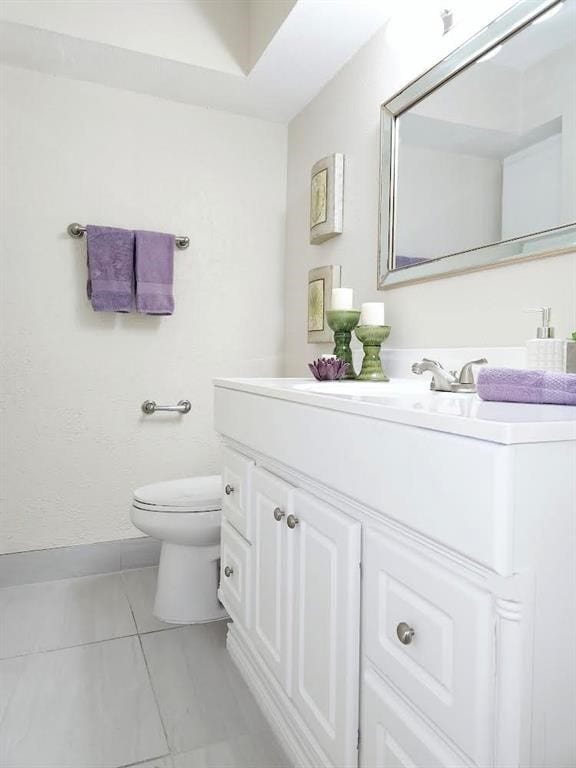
pixel 90 679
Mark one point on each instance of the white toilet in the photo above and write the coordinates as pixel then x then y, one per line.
pixel 185 516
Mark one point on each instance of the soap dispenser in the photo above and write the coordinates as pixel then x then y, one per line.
pixel 545 353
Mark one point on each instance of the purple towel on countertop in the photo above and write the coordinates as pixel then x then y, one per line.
pixel 154 272
pixel 525 386
pixel 110 268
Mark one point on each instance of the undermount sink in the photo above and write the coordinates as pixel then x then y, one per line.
pixel 393 388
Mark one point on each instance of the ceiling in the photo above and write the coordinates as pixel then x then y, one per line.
pixel 539 40
pixel 266 58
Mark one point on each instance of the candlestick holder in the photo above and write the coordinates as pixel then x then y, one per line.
pixel 371 338
pixel 343 322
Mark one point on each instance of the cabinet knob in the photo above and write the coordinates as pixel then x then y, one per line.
pixel 228 571
pixel 278 514
pixel 229 490
pixel 292 521
pixel 405 633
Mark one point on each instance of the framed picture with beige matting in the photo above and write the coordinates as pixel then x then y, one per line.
pixel 320 283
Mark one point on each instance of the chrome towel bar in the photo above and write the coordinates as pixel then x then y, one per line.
pixel 78 230
pixel 149 407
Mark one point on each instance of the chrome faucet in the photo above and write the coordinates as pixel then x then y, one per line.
pixel 449 381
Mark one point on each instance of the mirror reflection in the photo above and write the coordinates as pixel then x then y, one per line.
pixel 490 155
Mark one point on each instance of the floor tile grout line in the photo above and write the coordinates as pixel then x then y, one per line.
pixel 67 647
pixel 91 642
pixel 154 694
pixel 143 762
pixel 76 576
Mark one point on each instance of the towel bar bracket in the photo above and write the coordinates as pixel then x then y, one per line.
pixel 77 230
pixel 149 407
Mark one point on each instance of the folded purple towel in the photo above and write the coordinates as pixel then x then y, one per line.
pixel 110 268
pixel 154 273
pixel 524 386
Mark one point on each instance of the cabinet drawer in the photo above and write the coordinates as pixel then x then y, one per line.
pixel 235 574
pixel 236 480
pixel 446 667
pixel 393 736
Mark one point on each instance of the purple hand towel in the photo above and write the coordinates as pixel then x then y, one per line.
pixel 110 268
pixel 154 273
pixel 523 386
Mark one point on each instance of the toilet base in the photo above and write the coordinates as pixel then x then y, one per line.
pixel 187 587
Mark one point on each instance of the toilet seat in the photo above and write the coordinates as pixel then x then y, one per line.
pixel 190 494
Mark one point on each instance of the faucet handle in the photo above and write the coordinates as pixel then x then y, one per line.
pixel 467 372
pixel 434 362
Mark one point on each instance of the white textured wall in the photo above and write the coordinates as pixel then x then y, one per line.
pixel 74 443
pixel 205 33
pixel 480 309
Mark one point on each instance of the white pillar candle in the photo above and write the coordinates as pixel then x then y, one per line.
pixel 342 298
pixel 372 313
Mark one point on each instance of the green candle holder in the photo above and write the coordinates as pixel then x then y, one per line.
pixel 371 337
pixel 343 322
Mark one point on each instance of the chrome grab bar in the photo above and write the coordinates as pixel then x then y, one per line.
pixel 149 407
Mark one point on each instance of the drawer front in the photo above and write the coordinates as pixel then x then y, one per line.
pixel 235 574
pixel 236 482
pixel 393 736
pixel 446 667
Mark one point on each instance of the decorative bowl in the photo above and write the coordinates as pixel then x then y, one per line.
pixel 328 368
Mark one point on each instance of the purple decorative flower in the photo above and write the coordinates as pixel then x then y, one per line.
pixel 329 368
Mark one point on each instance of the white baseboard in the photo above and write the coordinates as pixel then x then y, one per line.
pixel 80 560
pixel 291 731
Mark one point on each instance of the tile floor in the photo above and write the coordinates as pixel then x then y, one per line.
pixel 90 679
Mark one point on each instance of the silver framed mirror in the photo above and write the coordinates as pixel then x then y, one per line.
pixel 478 155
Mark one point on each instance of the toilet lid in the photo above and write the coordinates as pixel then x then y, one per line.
pixel 191 494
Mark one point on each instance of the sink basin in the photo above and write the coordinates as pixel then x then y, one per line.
pixel 393 388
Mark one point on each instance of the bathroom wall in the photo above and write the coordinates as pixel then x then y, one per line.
pixel 74 441
pixel 480 309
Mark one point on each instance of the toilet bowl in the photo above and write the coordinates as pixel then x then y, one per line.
pixel 185 516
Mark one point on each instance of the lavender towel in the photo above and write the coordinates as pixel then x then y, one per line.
pixel 110 269
pixel 523 386
pixel 154 273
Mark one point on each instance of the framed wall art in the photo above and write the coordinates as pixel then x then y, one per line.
pixel 326 198
pixel 320 283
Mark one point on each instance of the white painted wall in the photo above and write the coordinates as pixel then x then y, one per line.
pixel 205 33
pixel 74 442
pixel 481 309
pixel 265 17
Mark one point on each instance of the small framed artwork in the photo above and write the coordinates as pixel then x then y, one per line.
pixel 326 198
pixel 320 283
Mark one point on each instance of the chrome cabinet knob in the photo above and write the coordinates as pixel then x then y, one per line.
pixel 278 514
pixel 405 633
pixel 292 521
pixel 229 490
pixel 228 571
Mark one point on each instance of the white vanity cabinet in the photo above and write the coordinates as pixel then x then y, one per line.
pixel 400 571
pixel 429 631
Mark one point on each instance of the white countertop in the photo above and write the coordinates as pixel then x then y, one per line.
pixel 408 401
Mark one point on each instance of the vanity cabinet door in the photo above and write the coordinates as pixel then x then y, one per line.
pixel 271 500
pixel 323 549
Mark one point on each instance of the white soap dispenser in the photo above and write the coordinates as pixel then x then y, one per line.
pixel 545 353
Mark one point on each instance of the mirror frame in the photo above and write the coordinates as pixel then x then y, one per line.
pixel 551 242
